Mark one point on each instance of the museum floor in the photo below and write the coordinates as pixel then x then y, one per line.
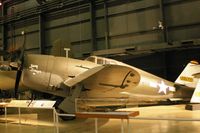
pixel 156 119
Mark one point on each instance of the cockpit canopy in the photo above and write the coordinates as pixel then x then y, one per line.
pixel 101 60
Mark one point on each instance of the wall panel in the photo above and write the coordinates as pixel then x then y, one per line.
pixel 130 23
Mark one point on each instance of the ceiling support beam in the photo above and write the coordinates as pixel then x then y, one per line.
pixel 93 25
pixel 163 21
pixel 107 42
pixel 42 33
pixel 4 28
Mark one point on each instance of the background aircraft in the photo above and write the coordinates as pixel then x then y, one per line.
pixel 95 77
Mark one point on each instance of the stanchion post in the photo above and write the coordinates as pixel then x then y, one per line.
pixel 5 114
pixel 54 116
pixel 19 115
pixel 57 122
pixel 96 125
pixel 128 125
pixel 122 125
pixel 54 120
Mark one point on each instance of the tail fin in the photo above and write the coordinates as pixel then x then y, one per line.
pixel 196 95
pixel 190 75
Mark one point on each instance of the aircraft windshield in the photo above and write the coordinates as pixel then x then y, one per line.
pixel 100 61
pixel 91 59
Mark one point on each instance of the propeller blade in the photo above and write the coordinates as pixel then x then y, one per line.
pixel 20 68
pixel 22 49
pixel 19 72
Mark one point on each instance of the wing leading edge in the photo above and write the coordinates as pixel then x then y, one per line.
pixel 73 81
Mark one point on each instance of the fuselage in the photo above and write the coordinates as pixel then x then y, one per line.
pixel 117 80
pixel 46 73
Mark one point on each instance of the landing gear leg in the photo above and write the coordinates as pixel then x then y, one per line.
pixel 68 104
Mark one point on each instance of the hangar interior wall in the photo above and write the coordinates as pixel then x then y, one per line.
pixel 89 25
pixel 118 23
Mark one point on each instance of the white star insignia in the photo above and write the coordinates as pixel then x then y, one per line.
pixel 162 87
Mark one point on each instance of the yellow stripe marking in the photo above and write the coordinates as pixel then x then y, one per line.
pixel 186 79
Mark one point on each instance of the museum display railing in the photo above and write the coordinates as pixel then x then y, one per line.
pixel 105 108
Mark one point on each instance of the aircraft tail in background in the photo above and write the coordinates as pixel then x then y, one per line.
pixel 196 95
pixel 190 75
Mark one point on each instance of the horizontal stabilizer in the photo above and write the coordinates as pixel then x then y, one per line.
pixel 82 76
pixel 176 99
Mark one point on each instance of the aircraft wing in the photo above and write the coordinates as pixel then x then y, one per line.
pixel 82 76
pixel 106 76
